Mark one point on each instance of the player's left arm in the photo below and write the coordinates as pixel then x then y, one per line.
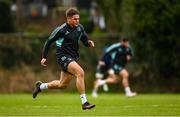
pixel 84 38
pixel 130 54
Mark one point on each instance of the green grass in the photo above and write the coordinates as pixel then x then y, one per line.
pixel 68 104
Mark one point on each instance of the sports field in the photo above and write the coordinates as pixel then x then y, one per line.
pixel 68 104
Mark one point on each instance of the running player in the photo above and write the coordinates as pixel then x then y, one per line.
pixel 121 53
pixel 67 37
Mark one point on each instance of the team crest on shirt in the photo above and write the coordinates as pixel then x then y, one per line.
pixel 78 28
pixel 67 32
pixel 120 50
pixel 63 58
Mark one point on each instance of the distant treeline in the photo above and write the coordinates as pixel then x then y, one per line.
pixel 20 67
pixel 151 25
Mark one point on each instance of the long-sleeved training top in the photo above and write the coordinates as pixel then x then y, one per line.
pixel 119 53
pixel 67 40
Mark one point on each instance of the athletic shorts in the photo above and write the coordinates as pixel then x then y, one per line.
pixel 63 61
pixel 117 68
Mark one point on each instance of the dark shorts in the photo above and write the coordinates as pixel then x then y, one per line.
pixel 117 68
pixel 63 60
pixel 102 69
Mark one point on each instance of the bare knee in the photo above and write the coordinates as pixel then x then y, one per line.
pixel 80 74
pixel 124 74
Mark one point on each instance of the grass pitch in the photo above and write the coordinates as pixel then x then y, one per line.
pixel 68 104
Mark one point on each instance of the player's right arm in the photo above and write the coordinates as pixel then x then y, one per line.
pixel 45 50
pixel 55 35
pixel 112 48
pixel 109 52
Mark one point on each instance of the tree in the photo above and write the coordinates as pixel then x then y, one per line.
pixel 157 25
pixel 153 26
pixel 6 21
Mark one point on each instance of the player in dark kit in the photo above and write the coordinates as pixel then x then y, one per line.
pixel 67 37
pixel 121 53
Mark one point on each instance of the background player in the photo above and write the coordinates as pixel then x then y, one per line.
pixel 121 54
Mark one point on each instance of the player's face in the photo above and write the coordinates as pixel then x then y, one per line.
pixel 125 44
pixel 73 21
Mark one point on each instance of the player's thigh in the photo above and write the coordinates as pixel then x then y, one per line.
pixel 75 68
pixel 124 73
pixel 65 77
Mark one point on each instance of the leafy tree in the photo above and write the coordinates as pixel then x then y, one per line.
pixel 156 26
pixel 112 12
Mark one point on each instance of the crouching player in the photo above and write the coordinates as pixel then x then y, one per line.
pixel 121 54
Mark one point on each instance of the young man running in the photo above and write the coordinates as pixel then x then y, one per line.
pixel 121 54
pixel 67 37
